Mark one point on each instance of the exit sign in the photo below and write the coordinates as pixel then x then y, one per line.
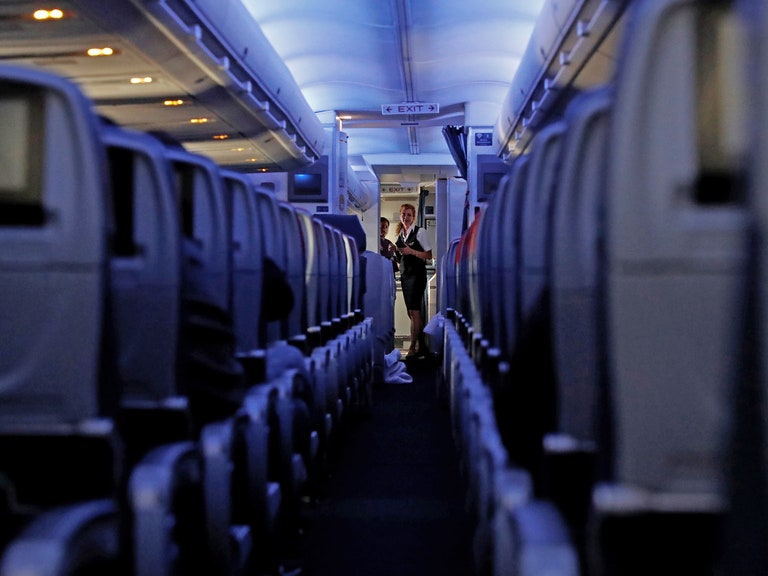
pixel 410 108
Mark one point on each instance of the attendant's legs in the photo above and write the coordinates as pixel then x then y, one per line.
pixel 416 330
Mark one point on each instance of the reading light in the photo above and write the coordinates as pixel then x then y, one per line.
pixel 178 102
pixel 145 80
pixel 198 120
pixel 220 136
pixel 54 14
pixel 106 51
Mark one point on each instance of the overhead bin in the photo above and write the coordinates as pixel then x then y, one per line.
pixel 571 49
pixel 217 53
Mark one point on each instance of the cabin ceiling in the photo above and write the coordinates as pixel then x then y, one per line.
pixel 347 57
pixel 351 57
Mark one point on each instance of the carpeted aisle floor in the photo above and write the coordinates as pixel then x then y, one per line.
pixel 395 499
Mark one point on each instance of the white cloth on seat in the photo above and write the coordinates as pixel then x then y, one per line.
pixel 393 357
pixel 396 374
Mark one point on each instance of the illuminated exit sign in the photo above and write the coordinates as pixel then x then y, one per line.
pixel 410 108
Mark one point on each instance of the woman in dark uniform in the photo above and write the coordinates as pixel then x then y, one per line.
pixel 414 249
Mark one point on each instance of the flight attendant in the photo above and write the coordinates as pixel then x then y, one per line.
pixel 414 250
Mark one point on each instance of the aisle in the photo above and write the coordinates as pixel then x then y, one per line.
pixel 395 502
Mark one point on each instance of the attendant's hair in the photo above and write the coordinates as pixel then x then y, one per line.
pixel 404 207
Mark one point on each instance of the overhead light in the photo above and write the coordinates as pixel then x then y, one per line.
pixel 198 120
pixel 220 136
pixel 177 102
pixel 346 117
pixel 54 14
pixel 238 150
pixel 144 80
pixel 106 51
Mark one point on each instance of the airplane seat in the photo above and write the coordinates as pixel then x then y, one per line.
pixel 446 301
pixel 338 304
pixel 336 261
pixel 675 261
pixel 212 372
pixel 312 251
pixel 742 547
pixel 73 539
pixel 366 342
pixel 486 297
pixel 487 251
pixel 501 489
pixel 531 538
pixel 578 452
pixel 59 393
pixel 147 299
pixel 452 375
pixel 166 485
pixel 209 372
pixel 271 329
pixel 504 262
pixel 322 312
pixel 471 255
pixel 294 268
pixel 247 261
pixel 379 304
pixel 530 393
pixel 488 459
pixel 447 278
pixel 347 244
pixel 229 540
pixel 289 445
pixel 256 496
pixel 463 306
pixel 506 272
pixel 145 263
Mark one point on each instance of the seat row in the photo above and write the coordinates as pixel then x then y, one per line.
pixel 180 349
pixel 598 304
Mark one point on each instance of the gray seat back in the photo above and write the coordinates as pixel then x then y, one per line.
pixel 578 334
pixel 675 246
pixel 294 267
pixel 506 263
pixel 269 217
pixel 53 268
pixel 247 260
pixel 145 265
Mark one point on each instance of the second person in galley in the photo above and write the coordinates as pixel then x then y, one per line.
pixel 414 249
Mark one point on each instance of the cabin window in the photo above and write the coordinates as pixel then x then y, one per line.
pixel 21 156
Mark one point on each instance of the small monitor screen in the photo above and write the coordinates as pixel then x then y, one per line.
pixel 491 182
pixel 308 185
pixel 21 156
pixel 490 171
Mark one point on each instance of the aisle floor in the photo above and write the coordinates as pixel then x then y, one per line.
pixel 395 500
